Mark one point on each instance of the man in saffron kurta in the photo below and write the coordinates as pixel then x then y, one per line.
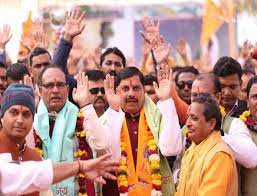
pixel 141 134
pixel 71 134
pixel 208 166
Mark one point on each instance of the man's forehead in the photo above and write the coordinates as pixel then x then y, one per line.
pixel 186 76
pixel 41 58
pixel 53 74
pixel 99 83
pixel 202 86
pixel 19 107
pixel 113 57
pixel 229 80
pixel 132 81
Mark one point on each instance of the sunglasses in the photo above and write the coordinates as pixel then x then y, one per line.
pixel 182 84
pixel 95 91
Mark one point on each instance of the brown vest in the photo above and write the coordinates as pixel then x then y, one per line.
pixel 9 146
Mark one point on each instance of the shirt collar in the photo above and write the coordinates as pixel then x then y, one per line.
pixel 234 108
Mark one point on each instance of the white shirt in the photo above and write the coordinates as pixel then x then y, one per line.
pixel 170 142
pixel 241 144
pixel 26 177
pixel 97 135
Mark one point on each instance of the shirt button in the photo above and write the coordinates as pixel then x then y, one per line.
pixel 135 132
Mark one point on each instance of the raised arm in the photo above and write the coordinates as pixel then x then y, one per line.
pixel 97 136
pixel 170 141
pixel 74 25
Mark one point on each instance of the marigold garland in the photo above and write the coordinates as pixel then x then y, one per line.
pixel 154 160
pixel 222 111
pixel 80 154
pixel 244 115
pixel 249 121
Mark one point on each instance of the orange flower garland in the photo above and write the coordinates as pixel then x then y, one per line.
pixel 154 160
pixel 123 174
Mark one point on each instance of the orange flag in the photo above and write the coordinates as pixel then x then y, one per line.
pixel 213 17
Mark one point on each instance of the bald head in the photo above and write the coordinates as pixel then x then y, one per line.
pixel 207 84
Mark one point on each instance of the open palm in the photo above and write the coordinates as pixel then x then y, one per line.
pixel 112 97
pixel 74 22
pixel 164 87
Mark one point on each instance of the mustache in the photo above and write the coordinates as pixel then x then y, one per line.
pixel 131 99
pixel 113 73
pixel 99 98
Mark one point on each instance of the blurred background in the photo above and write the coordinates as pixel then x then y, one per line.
pixel 222 26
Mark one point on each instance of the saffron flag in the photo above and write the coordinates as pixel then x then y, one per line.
pixel 213 17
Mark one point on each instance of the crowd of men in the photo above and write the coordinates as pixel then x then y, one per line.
pixel 109 129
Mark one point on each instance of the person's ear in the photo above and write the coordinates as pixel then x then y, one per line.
pixel 212 124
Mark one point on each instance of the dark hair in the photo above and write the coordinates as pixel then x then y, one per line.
pixel 2 65
pixel 40 77
pixel 213 78
pixel 115 51
pixel 176 68
pixel 251 82
pixel 211 109
pixel 149 79
pixel 17 71
pixel 227 66
pixel 95 75
pixel 248 72
pixel 128 72
pixel 36 52
pixel 189 69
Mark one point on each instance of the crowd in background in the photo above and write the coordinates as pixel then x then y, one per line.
pixel 176 125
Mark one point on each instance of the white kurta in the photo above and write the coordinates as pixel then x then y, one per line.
pixel 26 177
pixel 170 142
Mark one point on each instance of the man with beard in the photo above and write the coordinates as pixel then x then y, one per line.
pixel 96 91
pixel 112 61
pixel 3 82
pixel 229 72
pixel 138 128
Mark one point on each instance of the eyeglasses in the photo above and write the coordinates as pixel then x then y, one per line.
pixel 183 84
pixel 95 91
pixel 51 85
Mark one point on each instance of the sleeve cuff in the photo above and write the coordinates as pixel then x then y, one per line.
pixel 166 105
pixel 65 42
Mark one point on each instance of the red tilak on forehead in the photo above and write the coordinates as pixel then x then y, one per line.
pixel 131 82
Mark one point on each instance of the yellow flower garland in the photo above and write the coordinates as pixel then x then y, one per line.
pixel 244 115
pixel 154 160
